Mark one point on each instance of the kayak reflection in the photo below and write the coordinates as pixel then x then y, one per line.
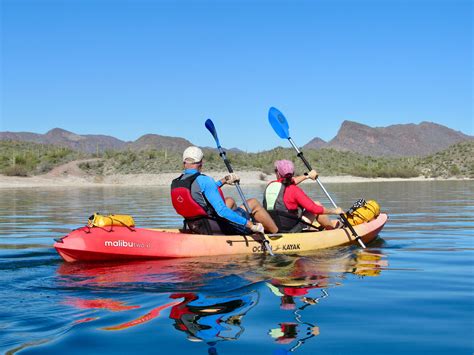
pixel 211 319
pixel 208 301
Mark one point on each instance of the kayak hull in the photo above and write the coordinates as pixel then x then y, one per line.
pixel 122 243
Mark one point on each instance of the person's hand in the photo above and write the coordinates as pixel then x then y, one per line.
pixel 257 228
pixel 313 175
pixel 338 210
pixel 231 179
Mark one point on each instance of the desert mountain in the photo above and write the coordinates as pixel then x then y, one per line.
pixel 396 140
pixel 316 143
pixel 155 141
pixel 89 143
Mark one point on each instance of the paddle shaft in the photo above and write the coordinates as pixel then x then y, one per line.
pixel 244 200
pixel 343 217
pixel 237 184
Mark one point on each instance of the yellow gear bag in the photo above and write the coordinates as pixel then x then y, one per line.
pixel 122 220
pixel 366 213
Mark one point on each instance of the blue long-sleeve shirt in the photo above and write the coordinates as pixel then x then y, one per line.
pixel 209 188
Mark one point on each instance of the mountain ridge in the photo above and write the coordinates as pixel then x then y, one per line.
pixel 409 139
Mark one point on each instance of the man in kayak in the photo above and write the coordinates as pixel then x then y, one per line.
pixel 289 206
pixel 200 201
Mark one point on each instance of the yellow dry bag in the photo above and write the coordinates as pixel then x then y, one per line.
pixel 98 220
pixel 364 212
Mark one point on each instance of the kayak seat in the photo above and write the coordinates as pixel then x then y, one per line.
pixel 212 226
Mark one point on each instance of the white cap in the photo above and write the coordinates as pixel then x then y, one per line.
pixel 192 155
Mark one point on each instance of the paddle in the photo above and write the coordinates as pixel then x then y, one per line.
pixel 210 126
pixel 282 129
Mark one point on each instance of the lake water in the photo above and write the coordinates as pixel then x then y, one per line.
pixel 411 291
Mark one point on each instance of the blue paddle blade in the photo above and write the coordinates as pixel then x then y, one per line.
pixel 279 123
pixel 210 126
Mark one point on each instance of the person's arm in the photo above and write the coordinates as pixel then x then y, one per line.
pixel 311 175
pixel 299 179
pixel 308 204
pixel 209 189
pixel 305 202
pixel 230 179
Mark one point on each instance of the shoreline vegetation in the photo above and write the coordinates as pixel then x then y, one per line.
pixel 25 164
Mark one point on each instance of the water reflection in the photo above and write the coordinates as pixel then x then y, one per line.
pixel 296 284
pixel 208 301
pixel 210 318
pixel 298 330
pixel 48 307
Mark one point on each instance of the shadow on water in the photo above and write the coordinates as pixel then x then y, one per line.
pixel 205 301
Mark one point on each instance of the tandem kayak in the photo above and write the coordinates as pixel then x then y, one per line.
pixel 124 243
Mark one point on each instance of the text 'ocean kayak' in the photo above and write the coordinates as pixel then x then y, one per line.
pixel 123 243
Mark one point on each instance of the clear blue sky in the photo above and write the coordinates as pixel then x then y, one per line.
pixel 126 68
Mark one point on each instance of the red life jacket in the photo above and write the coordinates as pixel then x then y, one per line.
pixel 183 201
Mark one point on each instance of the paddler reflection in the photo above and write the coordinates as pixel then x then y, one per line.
pixel 298 283
pixel 205 318
pixel 295 298
pixel 211 319
pixel 303 282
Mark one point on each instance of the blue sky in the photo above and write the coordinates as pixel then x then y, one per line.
pixel 126 68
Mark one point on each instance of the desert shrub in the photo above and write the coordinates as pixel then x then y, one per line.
pixel 44 167
pixel 15 170
pixel 32 157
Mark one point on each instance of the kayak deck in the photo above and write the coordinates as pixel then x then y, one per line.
pixel 122 243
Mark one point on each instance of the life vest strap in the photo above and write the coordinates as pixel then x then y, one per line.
pixel 275 214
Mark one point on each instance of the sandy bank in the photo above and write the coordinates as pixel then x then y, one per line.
pixel 163 179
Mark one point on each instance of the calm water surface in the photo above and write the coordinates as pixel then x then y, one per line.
pixel 411 291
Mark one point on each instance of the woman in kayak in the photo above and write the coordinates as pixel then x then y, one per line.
pixel 200 201
pixel 290 207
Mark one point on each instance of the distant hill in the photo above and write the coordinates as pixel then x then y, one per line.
pixel 397 140
pixel 88 143
pixel 227 150
pixel 155 141
pixel 316 143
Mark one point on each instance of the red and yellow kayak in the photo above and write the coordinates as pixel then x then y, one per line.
pixel 123 243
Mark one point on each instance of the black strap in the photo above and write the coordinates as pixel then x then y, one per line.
pixel 293 217
pixel 130 228
pixel 221 222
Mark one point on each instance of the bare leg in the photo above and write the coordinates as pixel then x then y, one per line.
pixel 261 215
pixel 323 219
pixel 308 217
pixel 230 202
